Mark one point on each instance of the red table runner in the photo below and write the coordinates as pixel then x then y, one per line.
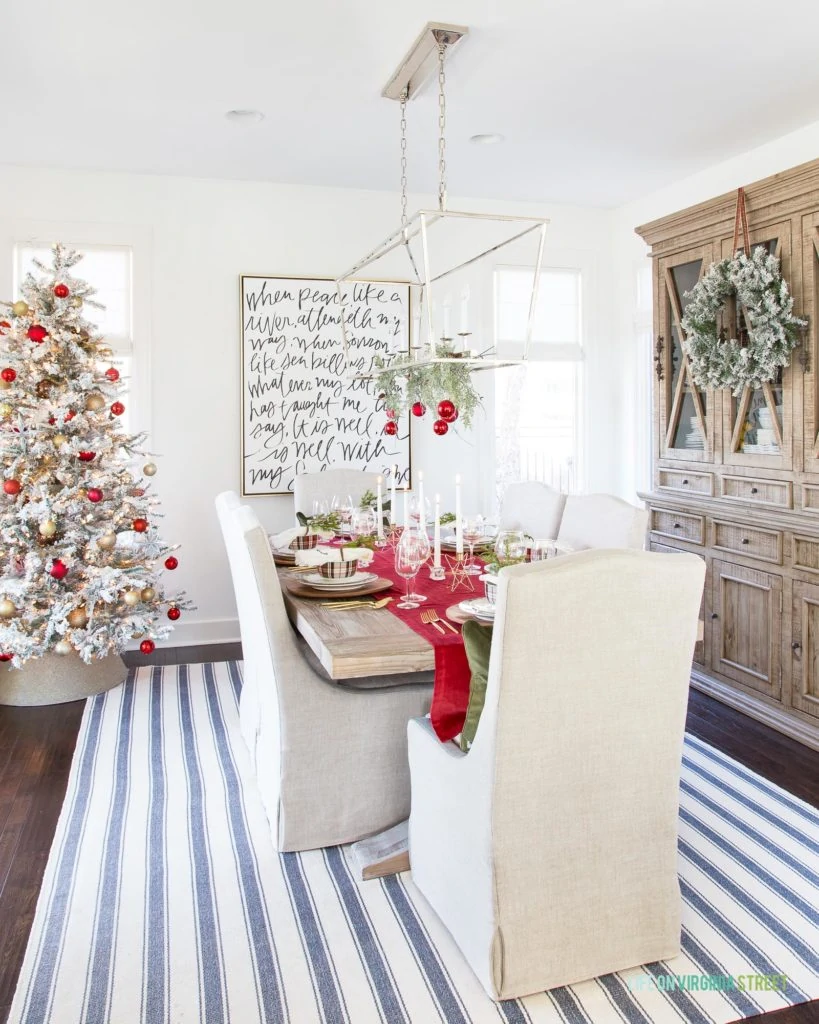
pixel 450 693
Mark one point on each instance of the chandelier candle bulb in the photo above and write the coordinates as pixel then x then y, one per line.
pixel 465 311
pixel 379 511
pixel 447 318
pixel 436 555
pixel 459 526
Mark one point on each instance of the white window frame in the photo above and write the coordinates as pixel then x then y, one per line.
pixel 14 233
pixel 583 261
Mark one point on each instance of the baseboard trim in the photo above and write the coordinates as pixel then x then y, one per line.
pixel 206 631
pixel 803 732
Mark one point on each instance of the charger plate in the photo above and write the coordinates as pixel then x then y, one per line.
pixel 299 589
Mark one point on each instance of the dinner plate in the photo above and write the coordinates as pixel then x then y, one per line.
pixel 358 579
pixel 479 607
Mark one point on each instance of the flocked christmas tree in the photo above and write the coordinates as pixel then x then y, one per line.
pixel 82 561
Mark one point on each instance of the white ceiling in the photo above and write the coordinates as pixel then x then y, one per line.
pixel 600 101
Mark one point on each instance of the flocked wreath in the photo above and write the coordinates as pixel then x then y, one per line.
pixel 773 330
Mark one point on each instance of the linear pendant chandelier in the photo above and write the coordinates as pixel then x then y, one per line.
pixel 440 253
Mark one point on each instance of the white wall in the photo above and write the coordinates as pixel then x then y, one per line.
pixel 628 251
pixel 194 238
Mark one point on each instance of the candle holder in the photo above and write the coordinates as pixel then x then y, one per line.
pixel 394 535
pixel 437 572
pixel 460 577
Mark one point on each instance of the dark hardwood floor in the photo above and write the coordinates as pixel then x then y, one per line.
pixel 37 745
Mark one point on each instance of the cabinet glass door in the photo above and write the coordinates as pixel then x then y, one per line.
pixel 757 424
pixel 685 422
pixel 810 353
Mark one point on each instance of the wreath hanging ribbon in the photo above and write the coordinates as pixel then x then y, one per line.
pixel 754 278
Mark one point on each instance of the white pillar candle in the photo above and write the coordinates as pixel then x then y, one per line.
pixel 380 512
pixel 393 475
pixel 422 518
pixel 447 318
pixel 459 526
pixel 436 561
pixel 406 508
pixel 465 310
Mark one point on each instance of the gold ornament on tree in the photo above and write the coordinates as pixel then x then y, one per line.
pixel 131 597
pixel 149 469
pixel 7 608
pixel 107 542
pixel 148 594
pixel 63 647
pixel 94 402
pixel 20 307
pixel 5 410
pixel 48 528
pixel 78 617
pixel 59 440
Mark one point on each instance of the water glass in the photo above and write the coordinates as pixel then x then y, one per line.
pixel 409 557
pixel 510 546
pixel 474 528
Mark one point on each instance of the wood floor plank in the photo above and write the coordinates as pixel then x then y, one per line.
pixel 37 746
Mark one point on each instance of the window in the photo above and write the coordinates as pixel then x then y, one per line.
pixel 538 406
pixel 108 269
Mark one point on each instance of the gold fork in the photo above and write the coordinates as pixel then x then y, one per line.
pixel 357 604
pixel 431 619
pixel 431 616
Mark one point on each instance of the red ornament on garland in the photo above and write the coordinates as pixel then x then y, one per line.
pixel 446 409
pixel 391 428
pixel 173 613
pixel 4 326
pixel 140 525
pixel 59 570
pixel 6 657
pixel 94 494
pixel 12 487
pixel 8 375
pixel 112 373
pixel 61 291
pixel 147 647
pixel 86 456
pixel 171 562
pixel 440 427
pixel 37 334
pixel 418 408
pixel 117 408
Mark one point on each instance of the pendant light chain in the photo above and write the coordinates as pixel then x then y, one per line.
pixel 404 158
pixel 441 126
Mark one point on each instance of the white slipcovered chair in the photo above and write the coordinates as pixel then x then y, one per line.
pixel 308 487
pixel 532 507
pixel 549 850
pixel 602 521
pixel 330 760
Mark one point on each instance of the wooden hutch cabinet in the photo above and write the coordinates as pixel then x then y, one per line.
pixel 736 479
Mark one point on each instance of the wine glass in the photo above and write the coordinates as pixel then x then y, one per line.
pixel 362 522
pixel 473 531
pixel 543 549
pixel 408 560
pixel 425 551
pixel 342 505
pixel 510 546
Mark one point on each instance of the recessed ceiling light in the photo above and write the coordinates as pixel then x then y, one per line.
pixel 244 116
pixel 487 140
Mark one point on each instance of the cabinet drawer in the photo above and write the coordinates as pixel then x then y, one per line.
pixel 754 543
pixel 806 553
pixel 756 489
pixel 810 497
pixel 679 525
pixel 687 483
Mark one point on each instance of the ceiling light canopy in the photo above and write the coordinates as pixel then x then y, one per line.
pixel 487 139
pixel 244 116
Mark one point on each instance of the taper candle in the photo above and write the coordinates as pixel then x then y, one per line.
pixel 459 526
pixel 422 514
pixel 406 508
pixel 393 475
pixel 380 512
pixel 436 560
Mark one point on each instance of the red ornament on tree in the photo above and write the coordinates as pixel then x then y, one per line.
pixel 59 570
pixel 69 415
pixel 112 373
pixel 440 427
pixel 86 456
pixel 12 487
pixel 94 494
pixel 6 657
pixel 117 408
pixel 418 408
pixel 8 375
pixel 37 334
pixel 61 291
pixel 147 647
pixel 391 427
pixel 446 409
pixel 171 562
pixel 140 525
pixel 173 613
pixel 4 326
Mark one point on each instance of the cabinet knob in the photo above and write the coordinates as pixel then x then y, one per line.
pixel 714 615
pixel 796 646
pixel 677 526
pixel 754 490
pixel 745 540
pixel 685 483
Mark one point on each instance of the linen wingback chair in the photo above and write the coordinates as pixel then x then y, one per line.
pixel 602 521
pixel 308 487
pixel 549 850
pixel 532 507
pixel 226 505
pixel 331 761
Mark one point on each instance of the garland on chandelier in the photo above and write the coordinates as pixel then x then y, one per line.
pixel 767 304
pixel 445 387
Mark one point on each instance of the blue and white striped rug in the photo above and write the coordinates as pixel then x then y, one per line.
pixel 164 900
